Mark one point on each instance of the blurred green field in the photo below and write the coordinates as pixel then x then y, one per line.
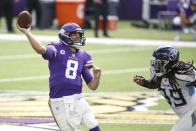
pixel 124 30
pixel 135 57
pixel 28 64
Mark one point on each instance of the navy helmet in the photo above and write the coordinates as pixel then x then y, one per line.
pixel 66 31
pixel 163 60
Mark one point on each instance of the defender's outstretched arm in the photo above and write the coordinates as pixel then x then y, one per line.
pixel 140 80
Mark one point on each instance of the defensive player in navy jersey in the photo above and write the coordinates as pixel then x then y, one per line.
pixel 67 63
pixel 176 81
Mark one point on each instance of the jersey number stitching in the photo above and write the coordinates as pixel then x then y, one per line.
pixel 176 95
pixel 71 71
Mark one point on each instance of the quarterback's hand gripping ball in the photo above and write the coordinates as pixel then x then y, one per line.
pixel 139 80
pixel 24 19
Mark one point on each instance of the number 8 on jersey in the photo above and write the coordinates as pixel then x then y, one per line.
pixel 71 71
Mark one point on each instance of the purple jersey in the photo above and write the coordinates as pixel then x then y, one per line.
pixel 66 68
pixel 190 13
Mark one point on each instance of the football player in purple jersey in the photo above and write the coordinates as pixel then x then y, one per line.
pixel 176 81
pixel 186 19
pixel 67 63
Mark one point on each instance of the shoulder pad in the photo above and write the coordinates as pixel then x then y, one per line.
pixel 189 75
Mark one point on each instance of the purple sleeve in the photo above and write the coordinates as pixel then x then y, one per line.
pixel 188 12
pixel 87 75
pixel 88 61
pixel 50 52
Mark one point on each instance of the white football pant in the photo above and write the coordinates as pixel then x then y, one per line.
pixel 70 111
pixel 186 123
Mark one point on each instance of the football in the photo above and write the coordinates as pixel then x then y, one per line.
pixel 24 19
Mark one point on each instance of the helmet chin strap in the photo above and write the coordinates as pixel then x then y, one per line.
pixel 63 42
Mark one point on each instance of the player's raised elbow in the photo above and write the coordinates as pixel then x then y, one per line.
pixel 93 85
pixel 41 50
